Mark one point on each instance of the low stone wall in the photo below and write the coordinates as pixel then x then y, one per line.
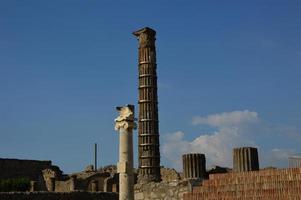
pixel 58 196
pixel 162 190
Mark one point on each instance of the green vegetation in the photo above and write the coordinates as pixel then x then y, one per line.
pixel 17 184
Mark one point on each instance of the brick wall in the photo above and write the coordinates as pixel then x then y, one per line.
pixel 58 196
pixel 264 184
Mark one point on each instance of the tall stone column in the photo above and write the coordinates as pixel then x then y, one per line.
pixel 245 159
pixel 125 124
pixel 194 166
pixel 148 129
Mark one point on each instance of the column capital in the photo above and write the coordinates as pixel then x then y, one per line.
pixel 126 118
pixel 146 36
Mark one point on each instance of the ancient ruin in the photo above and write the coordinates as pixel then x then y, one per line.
pixel 148 128
pixel 245 181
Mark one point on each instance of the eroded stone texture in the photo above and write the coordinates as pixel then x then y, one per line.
pixel 169 175
pixel 148 131
pixel 161 191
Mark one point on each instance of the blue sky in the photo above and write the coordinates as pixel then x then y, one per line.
pixel 225 70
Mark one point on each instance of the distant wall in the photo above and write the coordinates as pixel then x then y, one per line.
pixel 14 168
pixel 60 196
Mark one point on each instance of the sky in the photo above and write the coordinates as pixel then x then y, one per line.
pixel 228 76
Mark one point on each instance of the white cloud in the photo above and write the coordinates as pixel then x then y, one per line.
pixel 233 129
pixel 235 118
pixel 217 146
pixel 174 147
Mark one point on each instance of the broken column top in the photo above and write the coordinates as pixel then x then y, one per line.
pixel 126 118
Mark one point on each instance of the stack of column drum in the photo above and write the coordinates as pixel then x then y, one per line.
pixel 148 127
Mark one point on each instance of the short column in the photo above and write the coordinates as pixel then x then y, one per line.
pixel 194 166
pixel 245 159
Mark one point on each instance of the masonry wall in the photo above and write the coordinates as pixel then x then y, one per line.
pixel 14 168
pixel 62 186
pixel 268 184
pixel 58 196
pixel 162 190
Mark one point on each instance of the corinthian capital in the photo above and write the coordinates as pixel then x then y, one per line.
pixel 126 118
pixel 146 37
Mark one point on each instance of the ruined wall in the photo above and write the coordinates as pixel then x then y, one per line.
pixel 63 186
pixel 58 196
pixel 267 184
pixel 162 190
pixel 168 175
pixel 14 168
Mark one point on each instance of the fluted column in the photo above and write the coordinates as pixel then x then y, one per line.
pixel 125 124
pixel 194 166
pixel 148 130
pixel 245 159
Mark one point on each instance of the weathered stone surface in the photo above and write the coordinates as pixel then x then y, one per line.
pixel 139 196
pixel 112 169
pixel 89 168
pixel 161 190
pixel 168 175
